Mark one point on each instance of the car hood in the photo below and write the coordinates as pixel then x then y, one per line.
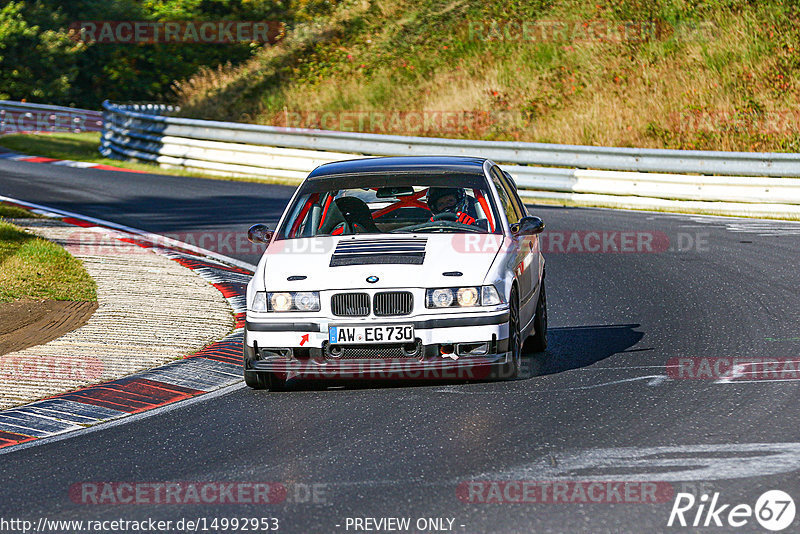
pixel 345 262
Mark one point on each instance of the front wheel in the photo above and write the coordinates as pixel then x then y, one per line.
pixel 276 382
pixel 538 341
pixel 261 380
pixel 514 337
pixel 255 380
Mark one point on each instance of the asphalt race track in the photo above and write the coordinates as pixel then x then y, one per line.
pixel 602 404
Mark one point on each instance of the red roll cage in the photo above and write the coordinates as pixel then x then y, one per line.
pixel 402 202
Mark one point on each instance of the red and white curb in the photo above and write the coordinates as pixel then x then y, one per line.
pixel 216 366
pixel 12 156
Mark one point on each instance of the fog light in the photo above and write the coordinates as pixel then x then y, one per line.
pixel 274 353
pixel 473 349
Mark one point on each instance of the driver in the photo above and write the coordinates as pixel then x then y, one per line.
pixel 450 200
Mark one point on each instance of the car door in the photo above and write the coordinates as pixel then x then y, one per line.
pixel 533 243
pixel 522 247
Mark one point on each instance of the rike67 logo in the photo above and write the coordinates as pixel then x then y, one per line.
pixel 774 510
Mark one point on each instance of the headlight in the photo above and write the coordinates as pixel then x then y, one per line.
pixel 468 296
pixel 259 302
pixel 462 297
pixel 306 301
pixel 293 301
pixel 440 298
pixel 280 302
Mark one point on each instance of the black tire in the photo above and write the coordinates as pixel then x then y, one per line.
pixel 260 379
pixel 275 382
pixel 255 380
pixel 514 337
pixel 538 341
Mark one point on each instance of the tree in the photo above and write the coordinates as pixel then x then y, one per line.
pixel 37 64
pixel 40 62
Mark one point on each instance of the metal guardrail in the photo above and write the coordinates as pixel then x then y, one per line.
pixel 134 120
pixel 741 183
pixel 23 117
pixel 620 177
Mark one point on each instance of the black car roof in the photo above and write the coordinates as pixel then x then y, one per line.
pixel 401 164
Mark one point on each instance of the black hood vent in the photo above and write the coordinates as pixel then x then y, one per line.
pixel 408 251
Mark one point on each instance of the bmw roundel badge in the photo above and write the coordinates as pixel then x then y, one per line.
pixel 372 279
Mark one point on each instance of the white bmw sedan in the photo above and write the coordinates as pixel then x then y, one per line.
pixel 398 267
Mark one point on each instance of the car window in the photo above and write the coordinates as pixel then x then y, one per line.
pixel 510 209
pixel 512 191
pixel 385 204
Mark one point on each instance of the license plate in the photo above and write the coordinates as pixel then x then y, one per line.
pixel 342 335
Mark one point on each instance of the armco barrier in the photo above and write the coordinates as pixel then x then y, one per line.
pixel 620 177
pixel 134 122
pixel 737 183
pixel 21 117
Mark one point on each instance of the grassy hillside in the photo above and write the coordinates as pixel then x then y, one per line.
pixel 691 74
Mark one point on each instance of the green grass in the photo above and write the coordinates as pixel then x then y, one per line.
pixel 712 57
pixel 79 147
pixel 13 212
pixel 33 268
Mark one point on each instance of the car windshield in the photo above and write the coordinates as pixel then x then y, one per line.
pixel 387 203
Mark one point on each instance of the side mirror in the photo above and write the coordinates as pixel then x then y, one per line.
pixel 259 233
pixel 528 226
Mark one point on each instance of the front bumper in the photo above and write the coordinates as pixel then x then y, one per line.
pixel 308 332
pixel 300 348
